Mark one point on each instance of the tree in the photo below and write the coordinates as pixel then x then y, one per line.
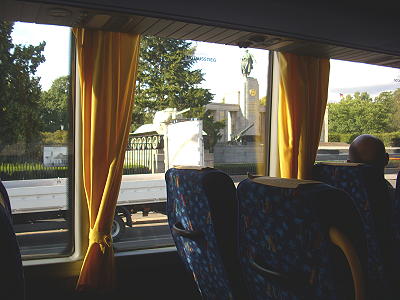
pixel 19 89
pixel 360 114
pixel 54 105
pixel 212 128
pixel 165 79
pixel 396 113
pixel 58 137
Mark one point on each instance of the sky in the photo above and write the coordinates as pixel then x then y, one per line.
pixel 56 51
pixel 221 68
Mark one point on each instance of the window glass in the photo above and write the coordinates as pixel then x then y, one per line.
pixel 34 134
pixel 186 89
pixel 362 99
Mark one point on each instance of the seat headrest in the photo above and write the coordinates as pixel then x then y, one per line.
pixel 341 164
pixel 282 182
pixel 199 168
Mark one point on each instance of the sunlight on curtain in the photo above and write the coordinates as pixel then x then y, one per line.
pixel 107 66
pixel 303 93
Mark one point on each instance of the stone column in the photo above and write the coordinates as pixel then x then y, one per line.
pixel 249 106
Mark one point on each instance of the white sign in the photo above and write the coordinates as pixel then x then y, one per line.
pixel 55 156
pixel 185 144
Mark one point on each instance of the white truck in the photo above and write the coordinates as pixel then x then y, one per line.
pixel 44 199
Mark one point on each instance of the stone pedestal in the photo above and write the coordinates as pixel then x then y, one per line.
pixel 249 106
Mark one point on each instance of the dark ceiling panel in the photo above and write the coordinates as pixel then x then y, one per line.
pixel 116 23
pixel 186 30
pixel 194 35
pixel 11 12
pixel 144 24
pixel 293 47
pixel 340 51
pixel 226 35
pixel 38 12
pixel 236 37
pixel 171 30
pixel 131 23
pixel 216 35
pixel 53 15
pixel 393 64
pixel 383 59
pixel 157 27
pixel 347 55
pixel 31 11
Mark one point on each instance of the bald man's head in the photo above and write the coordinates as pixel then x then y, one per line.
pixel 368 149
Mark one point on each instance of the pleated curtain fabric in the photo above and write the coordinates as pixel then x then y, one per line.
pixel 107 64
pixel 303 93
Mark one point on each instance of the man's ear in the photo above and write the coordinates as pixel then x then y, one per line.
pixel 386 159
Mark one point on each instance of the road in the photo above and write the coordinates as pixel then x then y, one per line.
pixel 51 236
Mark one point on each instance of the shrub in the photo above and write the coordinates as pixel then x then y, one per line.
pixel 334 137
pixel 135 169
pixel 24 171
pixel 396 141
pixel 59 137
pixel 390 139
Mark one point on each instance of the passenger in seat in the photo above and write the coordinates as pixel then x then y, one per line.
pixel 370 150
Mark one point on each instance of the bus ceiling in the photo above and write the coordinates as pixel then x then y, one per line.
pixel 356 34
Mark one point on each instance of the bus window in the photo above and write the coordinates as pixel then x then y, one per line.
pixel 34 135
pixel 196 103
pixel 362 99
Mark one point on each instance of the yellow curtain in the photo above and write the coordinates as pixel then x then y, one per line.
pixel 107 66
pixel 303 92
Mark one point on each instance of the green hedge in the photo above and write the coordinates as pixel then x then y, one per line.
pixel 24 171
pixel 390 139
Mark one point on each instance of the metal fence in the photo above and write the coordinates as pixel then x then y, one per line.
pixel 21 163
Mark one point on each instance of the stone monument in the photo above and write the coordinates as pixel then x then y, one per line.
pixel 249 106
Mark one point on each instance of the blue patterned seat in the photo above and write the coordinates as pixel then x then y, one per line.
pixel 202 215
pixel 369 192
pixel 396 205
pixel 12 284
pixel 285 227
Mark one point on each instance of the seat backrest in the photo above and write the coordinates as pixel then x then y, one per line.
pixel 396 205
pixel 202 215
pixel 284 239
pixel 5 200
pixel 12 284
pixel 369 191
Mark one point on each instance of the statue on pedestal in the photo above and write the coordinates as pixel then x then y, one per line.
pixel 247 63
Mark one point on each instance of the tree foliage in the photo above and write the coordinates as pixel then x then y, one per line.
pixel 396 109
pixel 360 114
pixel 165 79
pixel 19 89
pixel 58 137
pixel 213 130
pixel 54 105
